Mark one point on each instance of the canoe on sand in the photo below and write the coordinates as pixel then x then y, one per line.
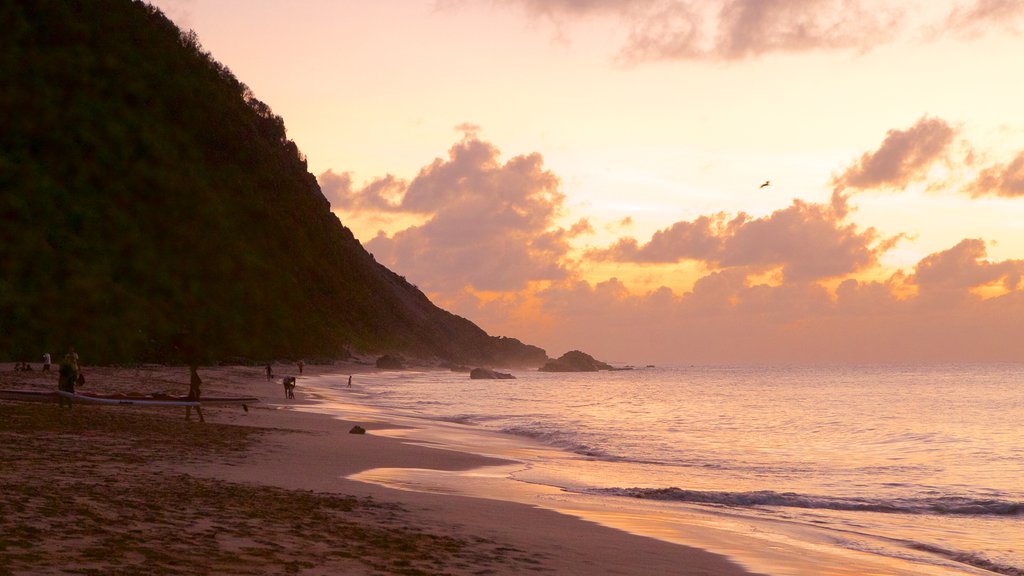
pixel 125 399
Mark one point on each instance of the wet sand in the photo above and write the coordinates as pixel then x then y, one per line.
pixel 110 489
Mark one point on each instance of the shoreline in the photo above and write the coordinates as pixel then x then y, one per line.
pixel 303 452
pixel 761 542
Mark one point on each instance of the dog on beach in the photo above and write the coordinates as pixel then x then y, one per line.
pixel 289 386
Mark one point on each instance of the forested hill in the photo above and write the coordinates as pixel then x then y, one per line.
pixel 154 210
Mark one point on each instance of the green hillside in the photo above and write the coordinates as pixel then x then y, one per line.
pixel 153 209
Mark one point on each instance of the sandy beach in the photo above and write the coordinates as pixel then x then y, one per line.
pixel 111 490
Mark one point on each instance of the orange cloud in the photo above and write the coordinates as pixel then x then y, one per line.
pixel 904 157
pixel 727 319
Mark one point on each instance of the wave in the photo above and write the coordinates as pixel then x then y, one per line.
pixel 557 439
pixel 971 559
pixel 947 505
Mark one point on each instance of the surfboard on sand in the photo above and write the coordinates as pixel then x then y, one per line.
pixel 125 399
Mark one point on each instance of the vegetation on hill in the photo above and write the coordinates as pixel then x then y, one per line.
pixel 153 209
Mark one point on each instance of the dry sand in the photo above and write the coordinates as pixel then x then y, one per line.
pixel 124 490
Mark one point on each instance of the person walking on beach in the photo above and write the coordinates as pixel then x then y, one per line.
pixel 193 393
pixel 67 376
pixel 349 380
pixel 46 361
pixel 301 365
pixel 270 374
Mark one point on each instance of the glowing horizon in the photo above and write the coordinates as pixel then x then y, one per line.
pixel 585 174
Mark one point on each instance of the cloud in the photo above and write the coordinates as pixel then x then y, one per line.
pixel 727 318
pixel 489 225
pixel 904 156
pixel 742 29
pixel 1005 180
pixel 581 227
pixel 808 241
pixel 377 196
pixel 487 247
pixel 337 188
pixel 468 129
pixel 732 29
pixel 975 19
pixel 749 28
pixel 954 272
pixel 697 240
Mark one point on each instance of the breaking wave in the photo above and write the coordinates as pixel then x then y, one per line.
pixel 971 559
pixel 948 505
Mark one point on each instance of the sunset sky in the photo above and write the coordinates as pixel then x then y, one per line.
pixel 587 174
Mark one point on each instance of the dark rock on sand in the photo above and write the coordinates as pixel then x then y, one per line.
pixel 488 374
pixel 389 362
pixel 575 361
pixel 357 430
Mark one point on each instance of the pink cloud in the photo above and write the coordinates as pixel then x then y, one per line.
pixel 1005 180
pixel 490 225
pixel 975 19
pixel 377 196
pixel 741 29
pixel 750 28
pixel 733 29
pixel 808 241
pixel 337 188
pixel 953 273
pixel 697 240
pixel 903 157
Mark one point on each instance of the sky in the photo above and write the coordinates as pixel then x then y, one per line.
pixel 668 181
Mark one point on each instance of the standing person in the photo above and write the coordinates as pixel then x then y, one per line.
pixel 270 374
pixel 194 392
pixel 68 376
pixel 349 380
pixel 301 364
pixel 46 361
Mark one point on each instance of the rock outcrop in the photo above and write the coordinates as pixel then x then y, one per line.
pixel 488 374
pixel 389 362
pixel 575 361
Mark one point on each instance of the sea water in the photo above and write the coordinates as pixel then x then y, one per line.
pixel 919 465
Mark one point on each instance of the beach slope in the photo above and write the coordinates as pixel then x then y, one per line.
pixel 116 489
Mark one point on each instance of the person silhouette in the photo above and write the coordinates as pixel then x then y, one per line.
pixel 195 382
pixel 68 375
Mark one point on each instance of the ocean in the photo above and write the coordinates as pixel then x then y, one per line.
pixel 788 470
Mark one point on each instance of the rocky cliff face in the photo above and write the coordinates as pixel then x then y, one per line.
pixel 154 209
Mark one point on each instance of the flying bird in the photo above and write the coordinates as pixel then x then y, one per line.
pixel 766 183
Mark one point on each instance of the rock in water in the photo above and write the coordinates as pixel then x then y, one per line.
pixel 488 374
